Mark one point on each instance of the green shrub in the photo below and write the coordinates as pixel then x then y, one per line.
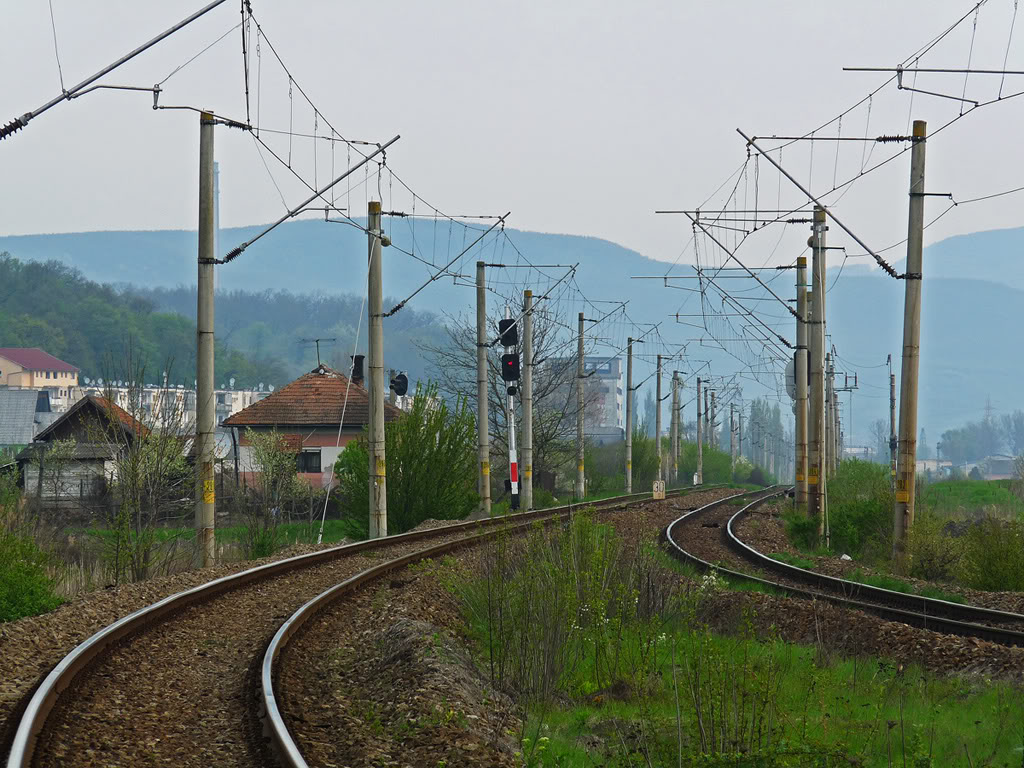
pixel 26 586
pixel 860 509
pixel 431 467
pixel 802 530
pixel 757 477
pixel 994 557
pixel 934 554
pixel 543 498
pixel 645 461
pixel 605 468
pixel 717 464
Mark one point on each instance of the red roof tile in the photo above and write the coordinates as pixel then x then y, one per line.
pixel 35 359
pixel 316 399
pixel 126 419
pixel 103 407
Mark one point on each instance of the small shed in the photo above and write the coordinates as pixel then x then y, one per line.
pixel 96 431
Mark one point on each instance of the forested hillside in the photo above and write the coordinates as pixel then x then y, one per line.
pixel 260 336
pixel 278 325
pixel 97 328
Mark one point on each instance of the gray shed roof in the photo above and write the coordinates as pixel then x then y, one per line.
pixel 23 415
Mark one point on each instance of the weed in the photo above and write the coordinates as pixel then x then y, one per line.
pixel 799 562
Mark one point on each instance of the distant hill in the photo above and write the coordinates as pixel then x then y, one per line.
pixel 316 257
pixel 996 255
pixel 973 301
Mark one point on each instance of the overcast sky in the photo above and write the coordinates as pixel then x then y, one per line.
pixel 579 116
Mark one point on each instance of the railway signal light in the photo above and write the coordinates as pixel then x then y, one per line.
pixel 510 367
pixel 400 384
pixel 509 332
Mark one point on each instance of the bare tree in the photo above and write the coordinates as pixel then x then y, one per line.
pixel 554 385
pixel 148 431
pixel 880 440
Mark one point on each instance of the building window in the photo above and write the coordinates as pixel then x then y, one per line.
pixel 47 374
pixel 308 461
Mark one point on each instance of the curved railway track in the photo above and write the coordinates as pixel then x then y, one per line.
pixel 119 697
pixel 711 529
pixel 285 742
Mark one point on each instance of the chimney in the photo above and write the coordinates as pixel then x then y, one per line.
pixel 357 369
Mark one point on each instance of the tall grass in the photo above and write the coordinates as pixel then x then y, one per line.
pixel 608 657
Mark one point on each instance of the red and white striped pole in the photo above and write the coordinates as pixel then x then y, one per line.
pixel 513 464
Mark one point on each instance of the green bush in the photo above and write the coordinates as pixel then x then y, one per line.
pixel 430 454
pixel 605 468
pixel 717 464
pixel 934 554
pixel 757 477
pixel 802 530
pixel 860 509
pixel 994 557
pixel 27 587
pixel 645 461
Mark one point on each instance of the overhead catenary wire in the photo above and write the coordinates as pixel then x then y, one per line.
pixel 21 122
pixel 237 251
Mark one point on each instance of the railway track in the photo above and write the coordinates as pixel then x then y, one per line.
pixel 177 681
pixel 300 721
pixel 706 537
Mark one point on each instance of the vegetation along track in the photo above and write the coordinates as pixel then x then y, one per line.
pixel 176 681
pixel 308 703
pixel 706 538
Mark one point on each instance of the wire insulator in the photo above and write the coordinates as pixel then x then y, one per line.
pixel 234 254
pixel 15 125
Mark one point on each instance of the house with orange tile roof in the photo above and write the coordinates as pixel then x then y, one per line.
pixel 318 414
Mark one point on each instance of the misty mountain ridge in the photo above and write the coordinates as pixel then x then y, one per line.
pixel 974 294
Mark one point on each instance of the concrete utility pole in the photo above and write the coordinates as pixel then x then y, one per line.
pixel 629 414
pixel 375 300
pixel 713 431
pixel 741 433
pixel 707 421
pixel 800 375
pixel 903 515
pixel 816 430
pixel 482 427
pixel 674 428
pixel 580 477
pixel 206 413
pixel 527 400
pixel 830 419
pixel 732 436
pixel 680 428
pixel 657 419
pixel 892 431
pixel 700 440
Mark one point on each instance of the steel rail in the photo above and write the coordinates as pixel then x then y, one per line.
pixel 913 618
pixel 45 697
pixel 282 742
pixel 928 606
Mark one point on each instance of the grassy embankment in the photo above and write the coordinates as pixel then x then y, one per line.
pixel 614 667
